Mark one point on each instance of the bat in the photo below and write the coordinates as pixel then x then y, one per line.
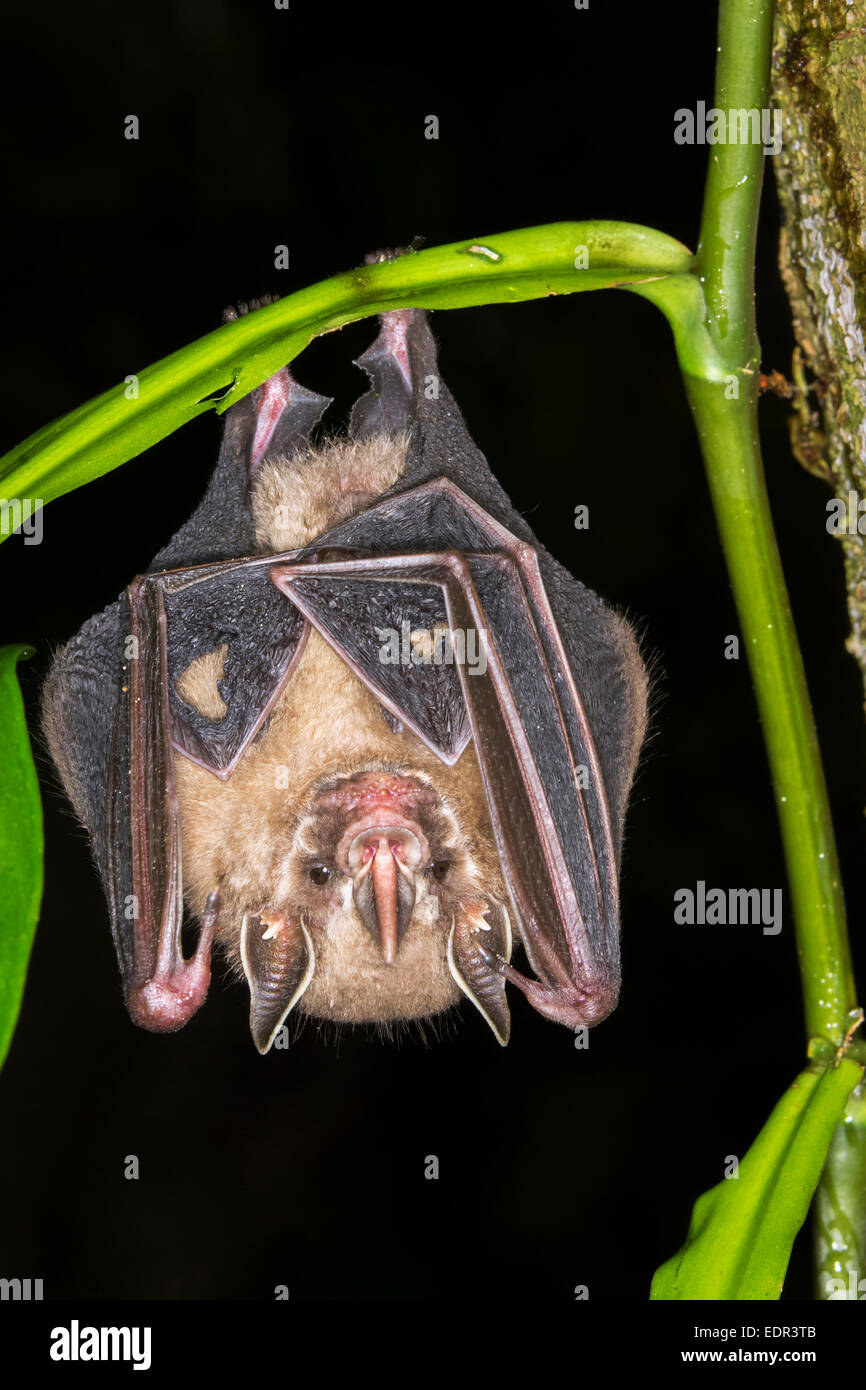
pixel 358 723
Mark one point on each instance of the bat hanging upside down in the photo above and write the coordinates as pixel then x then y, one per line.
pixel 361 724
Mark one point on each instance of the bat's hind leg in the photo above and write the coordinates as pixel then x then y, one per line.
pixel 567 1002
pixel 177 988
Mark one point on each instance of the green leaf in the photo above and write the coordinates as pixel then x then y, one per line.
pixel 20 846
pixel 152 402
pixel 741 1231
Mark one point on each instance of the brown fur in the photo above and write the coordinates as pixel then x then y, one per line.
pixel 198 684
pixel 297 499
pixel 254 837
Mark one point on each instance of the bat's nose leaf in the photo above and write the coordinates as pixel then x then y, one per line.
pixel 384 897
pixel 481 934
pixel 278 960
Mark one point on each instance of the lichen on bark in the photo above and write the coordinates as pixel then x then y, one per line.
pixel 819 82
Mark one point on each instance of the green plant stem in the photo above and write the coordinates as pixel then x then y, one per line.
pixel 729 441
pixel 726 417
pixel 149 404
pixel 726 247
pixel 725 413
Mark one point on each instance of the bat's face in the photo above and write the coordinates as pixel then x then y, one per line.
pixel 348 845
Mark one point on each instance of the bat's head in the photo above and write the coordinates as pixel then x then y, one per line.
pixel 387 878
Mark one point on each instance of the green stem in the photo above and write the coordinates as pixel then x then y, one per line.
pixel 729 441
pixel 726 247
pixel 565 257
pixel 725 412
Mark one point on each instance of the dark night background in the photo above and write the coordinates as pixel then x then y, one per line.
pixel 305 1168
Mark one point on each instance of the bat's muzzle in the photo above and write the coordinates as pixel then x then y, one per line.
pixel 383 860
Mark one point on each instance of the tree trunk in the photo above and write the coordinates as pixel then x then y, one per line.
pixel 819 82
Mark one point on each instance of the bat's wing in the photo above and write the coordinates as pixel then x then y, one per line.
pixel 516 696
pixel 111 713
pixel 234 608
pixel 408 391
pixel 175 617
pixel 512 690
pixel 144 880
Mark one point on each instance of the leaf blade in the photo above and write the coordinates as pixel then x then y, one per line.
pixel 21 846
pixel 741 1233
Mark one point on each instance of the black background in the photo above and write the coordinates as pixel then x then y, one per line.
pixel 306 127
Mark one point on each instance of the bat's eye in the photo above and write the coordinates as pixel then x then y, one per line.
pixel 440 869
pixel 320 874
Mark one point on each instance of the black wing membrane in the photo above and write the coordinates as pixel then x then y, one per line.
pixel 264 637
pixel 143 829
pixel 176 616
pixel 112 714
pixel 355 609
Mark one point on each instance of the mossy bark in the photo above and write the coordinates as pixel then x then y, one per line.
pixel 819 82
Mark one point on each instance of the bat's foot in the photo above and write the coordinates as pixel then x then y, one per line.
pixel 393 253
pixel 570 1005
pixel 178 988
pixel 237 311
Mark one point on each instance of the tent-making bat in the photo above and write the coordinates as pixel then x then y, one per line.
pixel 361 724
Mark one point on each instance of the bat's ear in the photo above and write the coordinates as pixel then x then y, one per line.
pixel 278 960
pixel 481 936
